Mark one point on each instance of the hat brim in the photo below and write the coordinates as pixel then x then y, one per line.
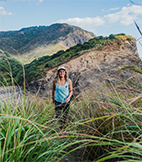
pixel 61 69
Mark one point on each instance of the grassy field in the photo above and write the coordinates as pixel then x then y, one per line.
pixel 103 126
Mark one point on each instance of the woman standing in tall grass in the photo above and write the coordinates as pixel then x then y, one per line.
pixel 61 94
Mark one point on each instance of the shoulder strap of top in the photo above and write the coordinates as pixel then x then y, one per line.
pixel 55 80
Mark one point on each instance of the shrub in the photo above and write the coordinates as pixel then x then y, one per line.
pixel 101 37
pixel 111 36
pixel 129 39
pixel 50 64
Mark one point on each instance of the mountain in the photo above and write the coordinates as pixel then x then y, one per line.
pixel 34 42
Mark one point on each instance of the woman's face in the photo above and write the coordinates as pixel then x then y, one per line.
pixel 62 73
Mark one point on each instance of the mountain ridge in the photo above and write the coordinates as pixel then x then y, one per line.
pixel 33 42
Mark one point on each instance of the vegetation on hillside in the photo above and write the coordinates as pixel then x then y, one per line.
pixel 12 41
pixel 10 69
pixel 36 68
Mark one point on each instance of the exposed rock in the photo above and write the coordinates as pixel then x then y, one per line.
pixel 94 67
pixel 75 37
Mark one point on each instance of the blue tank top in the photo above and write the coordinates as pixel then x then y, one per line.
pixel 61 92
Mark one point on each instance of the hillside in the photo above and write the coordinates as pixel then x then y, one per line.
pixel 33 42
pixel 100 63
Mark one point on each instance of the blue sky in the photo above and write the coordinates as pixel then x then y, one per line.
pixel 102 17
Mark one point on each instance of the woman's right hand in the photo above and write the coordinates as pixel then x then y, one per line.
pixel 53 101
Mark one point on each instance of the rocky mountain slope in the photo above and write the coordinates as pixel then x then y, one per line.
pixel 94 67
pixel 34 42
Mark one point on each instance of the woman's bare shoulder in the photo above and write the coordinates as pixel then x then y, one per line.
pixel 69 80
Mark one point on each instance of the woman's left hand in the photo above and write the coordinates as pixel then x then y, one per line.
pixel 67 100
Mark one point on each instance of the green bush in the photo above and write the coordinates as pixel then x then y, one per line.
pixel 120 34
pixel 111 36
pixel 49 64
pixel 129 39
pixel 101 37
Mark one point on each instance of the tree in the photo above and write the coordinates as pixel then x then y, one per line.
pixel 111 36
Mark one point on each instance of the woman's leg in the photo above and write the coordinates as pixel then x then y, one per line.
pixel 65 112
pixel 58 109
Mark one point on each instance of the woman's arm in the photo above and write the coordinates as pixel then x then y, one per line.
pixel 53 91
pixel 70 91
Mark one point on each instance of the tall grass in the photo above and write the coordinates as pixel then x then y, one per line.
pixel 104 126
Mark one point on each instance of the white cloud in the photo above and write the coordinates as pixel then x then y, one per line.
pixel 39 1
pixel 86 22
pixel 125 16
pixel 113 9
pixel 4 12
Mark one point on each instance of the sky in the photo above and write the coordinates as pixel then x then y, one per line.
pixel 102 17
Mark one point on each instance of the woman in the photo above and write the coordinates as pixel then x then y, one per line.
pixel 61 94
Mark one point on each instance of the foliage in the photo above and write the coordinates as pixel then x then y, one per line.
pixel 120 34
pixel 129 39
pixel 111 36
pixel 9 68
